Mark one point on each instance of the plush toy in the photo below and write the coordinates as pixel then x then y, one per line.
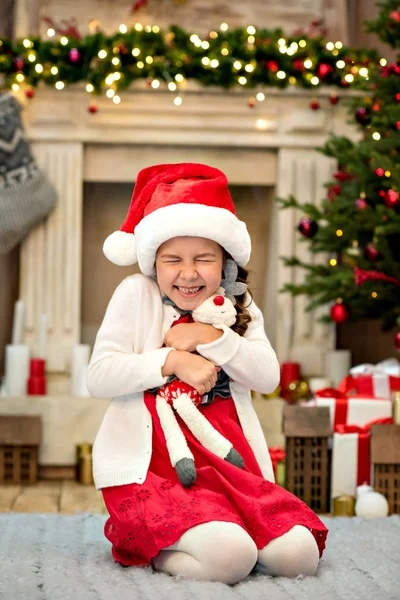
pixel 216 310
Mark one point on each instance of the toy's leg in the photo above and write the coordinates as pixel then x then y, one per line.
pixel 205 432
pixel 181 457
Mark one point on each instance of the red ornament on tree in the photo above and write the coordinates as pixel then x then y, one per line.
pixel 333 191
pixel 371 253
pixel 298 64
pixel 74 55
pixel 380 172
pixel 340 313
pixel 395 15
pixel 362 115
pixel 272 65
pixel 334 99
pixel 324 70
pixel 252 102
pixel 307 227
pixel 30 93
pixel 93 108
pixel 391 198
pixel 19 63
pixel 397 341
pixel 361 203
pixel 314 105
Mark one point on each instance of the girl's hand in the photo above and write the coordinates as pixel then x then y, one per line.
pixel 187 336
pixel 193 369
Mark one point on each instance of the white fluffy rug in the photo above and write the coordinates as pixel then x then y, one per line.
pixel 66 557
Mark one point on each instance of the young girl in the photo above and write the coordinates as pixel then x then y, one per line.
pixel 181 228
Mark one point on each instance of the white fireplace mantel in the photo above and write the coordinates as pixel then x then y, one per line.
pixel 271 144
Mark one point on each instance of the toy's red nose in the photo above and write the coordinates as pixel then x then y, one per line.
pixel 219 300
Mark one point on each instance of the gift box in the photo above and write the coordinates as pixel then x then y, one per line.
pixel 379 380
pixel 358 409
pixel 351 463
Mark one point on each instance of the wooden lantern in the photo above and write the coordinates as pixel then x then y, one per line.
pixel 19 448
pixel 307 431
pixel 385 456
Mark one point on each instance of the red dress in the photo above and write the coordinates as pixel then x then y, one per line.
pixel 146 518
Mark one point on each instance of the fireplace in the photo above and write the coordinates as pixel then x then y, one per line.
pixel 93 160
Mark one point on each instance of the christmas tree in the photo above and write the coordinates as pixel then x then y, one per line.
pixel 357 225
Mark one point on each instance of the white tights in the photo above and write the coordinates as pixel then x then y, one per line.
pixel 221 551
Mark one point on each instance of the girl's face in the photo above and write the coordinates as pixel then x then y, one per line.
pixel 189 270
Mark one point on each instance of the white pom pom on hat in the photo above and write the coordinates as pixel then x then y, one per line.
pixel 171 200
pixel 120 248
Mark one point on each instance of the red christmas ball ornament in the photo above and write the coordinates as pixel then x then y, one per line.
pixel 391 198
pixel 398 124
pixel 93 108
pixel 252 102
pixel 395 16
pixel 298 64
pixel 314 105
pixel 333 191
pixel 397 341
pixel 19 63
pixel 398 97
pixel 380 172
pixel 340 313
pixel 362 115
pixel 272 65
pixel 74 55
pixel 324 70
pixel 361 203
pixel 30 93
pixel 371 253
pixel 123 49
pixel 334 99
pixel 307 227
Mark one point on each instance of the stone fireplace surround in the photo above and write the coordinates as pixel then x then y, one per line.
pixel 272 144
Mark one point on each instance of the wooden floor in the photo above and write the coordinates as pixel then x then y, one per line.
pixel 67 497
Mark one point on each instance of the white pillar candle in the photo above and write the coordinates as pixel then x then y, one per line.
pixel 338 363
pixel 18 323
pixel 79 364
pixel 42 353
pixel 16 369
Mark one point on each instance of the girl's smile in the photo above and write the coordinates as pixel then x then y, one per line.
pixel 189 270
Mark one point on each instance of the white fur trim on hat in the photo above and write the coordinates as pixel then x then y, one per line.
pixel 198 220
pixel 120 248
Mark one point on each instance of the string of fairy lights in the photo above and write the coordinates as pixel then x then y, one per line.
pixel 248 57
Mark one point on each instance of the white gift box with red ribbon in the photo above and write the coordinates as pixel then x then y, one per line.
pixel 378 380
pixel 358 409
pixel 351 464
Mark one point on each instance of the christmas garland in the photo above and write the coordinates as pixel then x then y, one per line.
pixel 247 57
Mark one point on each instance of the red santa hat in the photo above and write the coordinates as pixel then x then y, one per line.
pixel 176 200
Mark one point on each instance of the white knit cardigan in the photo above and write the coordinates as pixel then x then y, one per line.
pixel 128 358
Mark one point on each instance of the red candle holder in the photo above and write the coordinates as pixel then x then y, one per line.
pixel 37 379
pixel 290 371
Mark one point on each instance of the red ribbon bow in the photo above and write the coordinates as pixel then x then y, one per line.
pixel 277 454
